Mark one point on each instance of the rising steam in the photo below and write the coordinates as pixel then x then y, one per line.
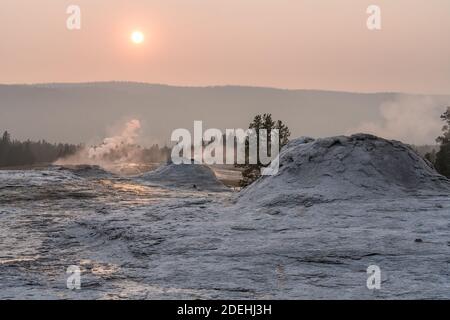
pixel 118 150
pixel 117 144
pixel 409 119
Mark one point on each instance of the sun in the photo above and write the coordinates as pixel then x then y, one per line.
pixel 137 37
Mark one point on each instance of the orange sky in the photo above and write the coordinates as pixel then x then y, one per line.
pixel 321 44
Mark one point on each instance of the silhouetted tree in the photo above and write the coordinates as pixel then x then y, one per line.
pixel 442 163
pixel 6 138
pixel 251 172
pixel 431 156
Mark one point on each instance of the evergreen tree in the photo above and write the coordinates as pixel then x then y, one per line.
pixel 6 138
pixel 251 172
pixel 431 156
pixel 442 163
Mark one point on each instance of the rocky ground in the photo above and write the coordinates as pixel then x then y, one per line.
pixel 135 239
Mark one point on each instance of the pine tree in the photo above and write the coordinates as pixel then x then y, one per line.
pixel 442 163
pixel 6 138
pixel 251 172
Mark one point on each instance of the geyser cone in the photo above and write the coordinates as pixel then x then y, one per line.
pixel 357 167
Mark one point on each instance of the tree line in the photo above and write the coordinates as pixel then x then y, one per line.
pixel 441 159
pixel 16 153
pixel 136 153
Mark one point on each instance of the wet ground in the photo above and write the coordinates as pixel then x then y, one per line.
pixel 134 240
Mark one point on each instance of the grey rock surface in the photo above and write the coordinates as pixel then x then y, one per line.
pixel 341 168
pixel 191 176
pixel 135 240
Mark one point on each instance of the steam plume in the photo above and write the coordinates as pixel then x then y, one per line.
pixel 409 119
pixel 128 136
pixel 120 149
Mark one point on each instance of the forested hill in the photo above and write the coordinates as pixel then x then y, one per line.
pixel 17 153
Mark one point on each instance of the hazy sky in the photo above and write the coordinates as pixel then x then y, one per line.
pixel 320 44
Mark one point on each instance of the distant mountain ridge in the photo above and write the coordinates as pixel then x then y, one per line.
pixel 81 112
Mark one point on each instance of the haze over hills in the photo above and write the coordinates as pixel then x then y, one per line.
pixel 84 112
